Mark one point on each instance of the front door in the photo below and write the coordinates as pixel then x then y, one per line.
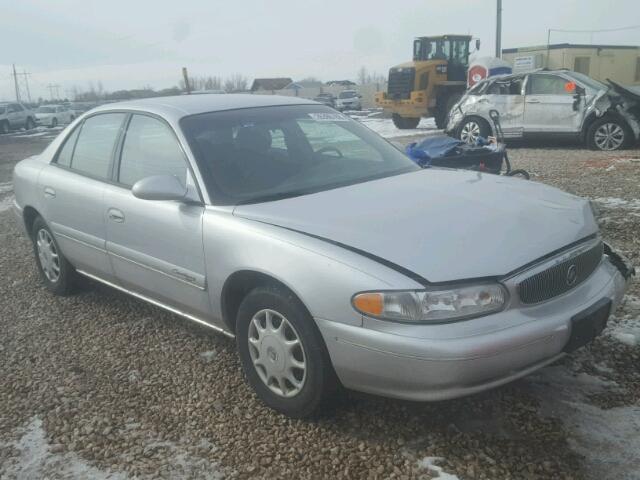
pixel 549 105
pixel 155 246
pixel 73 190
pixel 507 98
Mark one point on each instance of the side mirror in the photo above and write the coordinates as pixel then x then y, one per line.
pixel 160 187
pixel 580 90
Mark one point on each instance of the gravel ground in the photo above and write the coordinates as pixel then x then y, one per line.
pixel 100 385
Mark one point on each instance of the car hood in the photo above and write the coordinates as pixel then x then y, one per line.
pixel 438 223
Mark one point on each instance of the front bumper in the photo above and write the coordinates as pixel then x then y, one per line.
pixel 437 362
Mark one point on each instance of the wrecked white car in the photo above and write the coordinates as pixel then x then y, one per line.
pixel 549 103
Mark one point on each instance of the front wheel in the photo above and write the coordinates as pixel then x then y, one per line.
pixel 405 123
pixel 608 134
pixel 473 128
pixel 56 272
pixel 282 353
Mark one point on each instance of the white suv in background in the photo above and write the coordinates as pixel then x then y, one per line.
pixel 349 100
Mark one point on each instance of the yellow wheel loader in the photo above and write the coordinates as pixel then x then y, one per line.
pixel 429 85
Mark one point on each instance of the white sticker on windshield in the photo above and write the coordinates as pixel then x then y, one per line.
pixel 329 117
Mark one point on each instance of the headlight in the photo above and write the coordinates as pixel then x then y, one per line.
pixel 434 305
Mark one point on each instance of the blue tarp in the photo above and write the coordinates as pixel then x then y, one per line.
pixel 432 147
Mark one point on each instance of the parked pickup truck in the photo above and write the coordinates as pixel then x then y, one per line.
pixel 14 116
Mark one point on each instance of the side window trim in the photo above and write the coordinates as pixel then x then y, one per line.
pixel 120 144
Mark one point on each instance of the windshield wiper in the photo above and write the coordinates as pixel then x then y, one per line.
pixel 272 197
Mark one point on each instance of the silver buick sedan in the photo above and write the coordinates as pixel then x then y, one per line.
pixel 331 257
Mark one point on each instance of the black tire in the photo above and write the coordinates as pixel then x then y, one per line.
pixel 472 127
pixel 30 124
pixel 609 134
pixel 405 123
pixel 320 382
pixel 443 113
pixel 54 123
pixel 67 281
pixel 4 127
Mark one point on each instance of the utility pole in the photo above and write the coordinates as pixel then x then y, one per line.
pixel 499 29
pixel 26 74
pixel 185 75
pixel 53 87
pixel 15 83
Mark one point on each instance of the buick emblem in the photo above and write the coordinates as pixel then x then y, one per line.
pixel 572 275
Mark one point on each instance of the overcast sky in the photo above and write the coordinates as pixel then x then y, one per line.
pixel 130 44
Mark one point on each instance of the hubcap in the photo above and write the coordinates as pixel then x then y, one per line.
pixel 277 353
pixel 470 132
pixel 48 255
pixel 609 136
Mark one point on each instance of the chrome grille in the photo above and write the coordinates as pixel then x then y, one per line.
pixel 559 279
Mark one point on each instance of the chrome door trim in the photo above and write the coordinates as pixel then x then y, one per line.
pixel 157 304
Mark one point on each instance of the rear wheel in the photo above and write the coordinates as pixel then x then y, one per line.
pixel 56 272
pixel 608 134
pixel 30 123
pixel 443 112
pixel 54 123
pixel 405 123
pixel 282 352
pixel 472 128
pixel 4 127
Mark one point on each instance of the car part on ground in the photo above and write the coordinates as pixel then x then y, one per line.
pixel 256 232
pixel 550 104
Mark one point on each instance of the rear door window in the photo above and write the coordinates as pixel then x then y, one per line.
pixel 150 148
pixel 95 144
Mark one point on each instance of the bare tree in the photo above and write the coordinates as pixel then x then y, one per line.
pixel 236 83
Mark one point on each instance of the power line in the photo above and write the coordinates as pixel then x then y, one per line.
pixel 53 87
pixel 25 76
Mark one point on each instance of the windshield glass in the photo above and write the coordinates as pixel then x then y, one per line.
pixel 347 94
pixel 587 81
pixel 260 154
pixel 45 110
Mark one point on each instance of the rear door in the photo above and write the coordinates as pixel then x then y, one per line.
pixel 549 105
pixel 73 190
pixel 155 246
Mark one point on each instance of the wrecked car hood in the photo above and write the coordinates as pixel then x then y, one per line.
pixel 441 224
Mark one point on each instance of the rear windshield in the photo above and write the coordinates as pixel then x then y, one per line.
pixel 261 154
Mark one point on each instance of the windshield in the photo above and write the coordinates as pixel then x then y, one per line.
pixel 347 94
pixel 260 154
pixel 587 81
pixel 45 110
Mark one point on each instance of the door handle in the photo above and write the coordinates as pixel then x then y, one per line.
pixel 49 192
pixel 115 215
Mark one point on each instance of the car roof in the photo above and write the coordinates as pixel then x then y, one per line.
pixel 179 106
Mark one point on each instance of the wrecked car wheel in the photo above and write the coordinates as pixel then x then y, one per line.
pixel 473 128
pixel 608 134
pixel 404 123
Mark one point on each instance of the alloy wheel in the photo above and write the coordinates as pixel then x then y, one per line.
pixel 277 353
pixel 48 255
pixel 470 132
pixel 609 136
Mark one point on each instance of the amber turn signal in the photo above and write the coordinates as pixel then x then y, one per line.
pixel 369 303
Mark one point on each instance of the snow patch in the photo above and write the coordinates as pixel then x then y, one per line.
pixel 428 463
pixel 6 203
pixel 35 460
pixel 6 187
pixel 386 128
pixel 626 329
pixel 614 202
pixel 608 439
